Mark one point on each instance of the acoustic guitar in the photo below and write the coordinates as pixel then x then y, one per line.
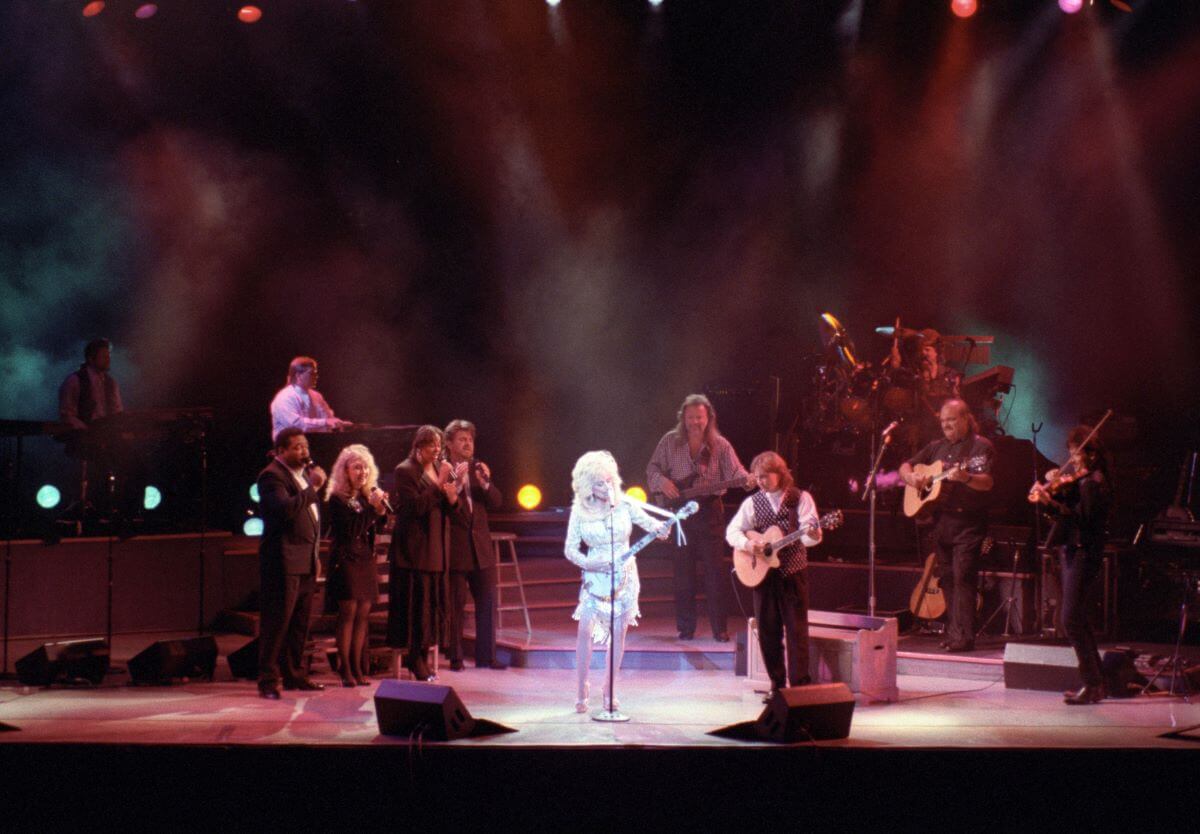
pixel 752 569
pixel 927 601
pixel 919 501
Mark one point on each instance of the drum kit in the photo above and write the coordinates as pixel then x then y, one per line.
pixel 851 396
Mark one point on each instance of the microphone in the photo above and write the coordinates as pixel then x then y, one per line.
pixel 386 504
pixel 613 497
pixel 892 426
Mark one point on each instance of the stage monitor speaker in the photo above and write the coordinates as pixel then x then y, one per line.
pixel 1042 666
pixel 807 713
pixel 407 708
pixel 243 663
pixel 168 660
pixel 74 660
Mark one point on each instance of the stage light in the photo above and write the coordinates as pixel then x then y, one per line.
pixel 964 8
pixel 254 493
pixel 656 3
pixel 146 11
pixel 94 8
pixel 1070 6
pixel 529 497
pixel 253 526
pixel 552 3
pixel 48 496
pixel 249 14
pixel 152 498
pixel 636 493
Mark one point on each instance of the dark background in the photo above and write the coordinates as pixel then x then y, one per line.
pixel 559 222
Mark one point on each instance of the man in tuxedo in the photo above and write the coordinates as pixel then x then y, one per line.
pixel 287 561
pixel 472 558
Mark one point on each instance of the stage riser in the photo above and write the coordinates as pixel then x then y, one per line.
pixel 61 590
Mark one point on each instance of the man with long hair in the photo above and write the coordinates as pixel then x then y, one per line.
pixel 696 457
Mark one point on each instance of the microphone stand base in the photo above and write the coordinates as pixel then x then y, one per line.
pixel 610 715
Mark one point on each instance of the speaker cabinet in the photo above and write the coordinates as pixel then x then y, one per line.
pixel 1040 666
pixel 408 708
pixel 807 713
pixel 74 660
pixel 167 660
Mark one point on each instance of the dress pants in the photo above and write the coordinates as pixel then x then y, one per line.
pixel 286 609
pixel 781 608
pixel 705 550
pixel 958 539
pixel 1080 570
pixel 482 586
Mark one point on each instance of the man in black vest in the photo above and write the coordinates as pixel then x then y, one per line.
pixel 287 561
pixel 472 559
pixel 88 395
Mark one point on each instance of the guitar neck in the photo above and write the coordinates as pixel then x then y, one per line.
pixel 794 536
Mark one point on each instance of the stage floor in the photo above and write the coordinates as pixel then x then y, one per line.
pixel 668 708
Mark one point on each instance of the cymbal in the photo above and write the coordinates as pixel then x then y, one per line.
pixel 900 332
pixel 834 335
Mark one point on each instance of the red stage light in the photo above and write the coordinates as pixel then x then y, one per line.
pixel 249 14
pixel 964 8
pixel 1070 6
pixel 94 8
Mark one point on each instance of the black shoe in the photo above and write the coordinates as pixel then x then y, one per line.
pixel 767 698
pixel 269 691
pixel 1086 695
pixel 304 685
pixel 686 635
pixel 721 637
pixel 804 681
pixel 963 646
pixel 495 664
pixel 420 671
pixel 456 666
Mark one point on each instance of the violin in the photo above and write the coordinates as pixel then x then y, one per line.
pixel 1073 470
pixel 1057 480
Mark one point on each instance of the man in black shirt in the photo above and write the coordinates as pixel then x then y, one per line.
pixel 1079 496
pixel 959 516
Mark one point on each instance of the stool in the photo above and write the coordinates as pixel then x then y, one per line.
pixel 511 540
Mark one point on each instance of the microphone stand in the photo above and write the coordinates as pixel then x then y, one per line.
pixel 610 713
pixel 869 490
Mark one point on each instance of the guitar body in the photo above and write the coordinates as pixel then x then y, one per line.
pixel 916 500
pixel 927 600
pixel 751 570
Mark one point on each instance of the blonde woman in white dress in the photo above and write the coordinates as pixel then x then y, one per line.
pixel 601 520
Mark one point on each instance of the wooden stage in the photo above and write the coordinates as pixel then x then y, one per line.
pixel 150 754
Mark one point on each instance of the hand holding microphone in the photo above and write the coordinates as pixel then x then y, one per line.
pixel 378 498
pixel 315 474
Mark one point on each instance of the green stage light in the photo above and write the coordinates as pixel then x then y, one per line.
pixel 152 498
pixel 254 493
pixel 253 527
pixel 48 497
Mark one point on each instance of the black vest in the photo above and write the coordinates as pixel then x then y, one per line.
pixel 87 397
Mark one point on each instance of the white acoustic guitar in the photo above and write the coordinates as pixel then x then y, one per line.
pixel 751 568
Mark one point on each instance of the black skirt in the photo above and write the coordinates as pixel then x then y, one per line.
pixel 417 609
pixel 353 579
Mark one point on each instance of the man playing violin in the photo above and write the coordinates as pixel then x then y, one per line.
pixel 1079 495
pixel 959 517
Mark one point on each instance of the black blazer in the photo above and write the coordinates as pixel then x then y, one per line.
pixel 290 534
pixel 419 538
pixel 470 538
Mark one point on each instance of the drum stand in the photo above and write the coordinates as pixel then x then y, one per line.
pixel 1175 662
